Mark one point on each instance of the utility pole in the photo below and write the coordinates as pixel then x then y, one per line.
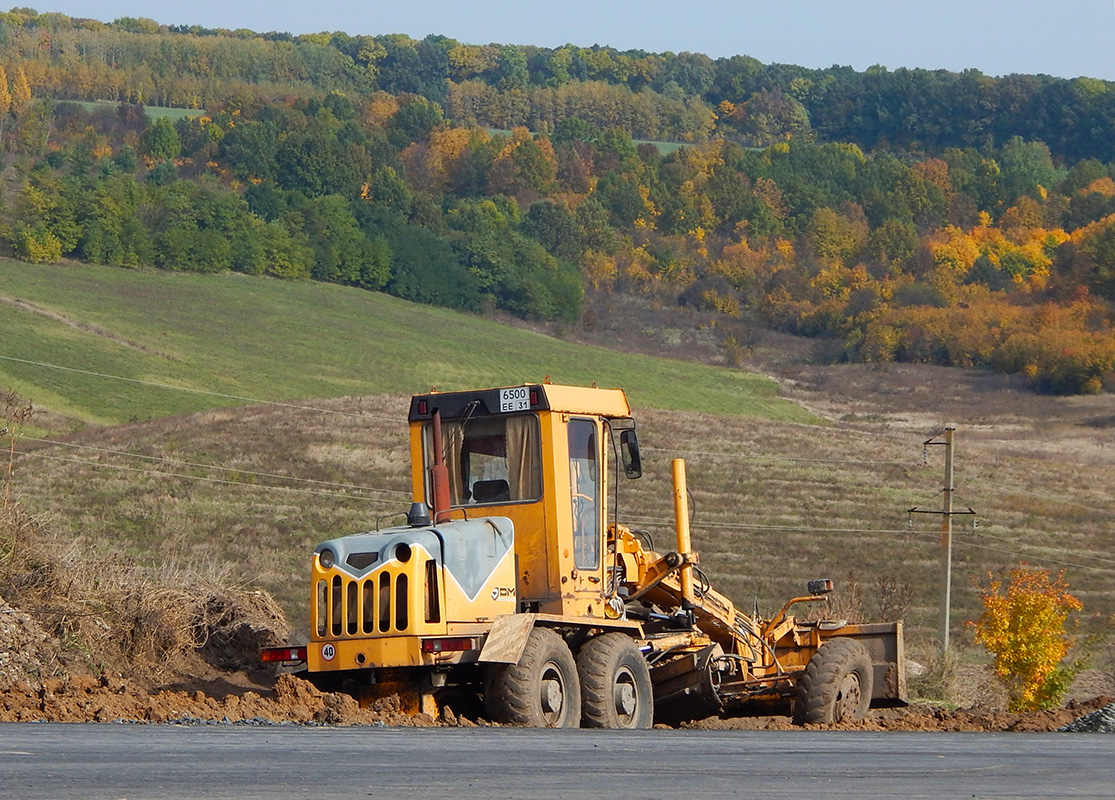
pixel 946 542
pixel 947 514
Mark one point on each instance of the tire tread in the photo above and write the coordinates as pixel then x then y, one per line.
pixel 597 662
pixel 816 689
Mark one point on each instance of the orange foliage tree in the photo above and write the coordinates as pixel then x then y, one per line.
pixel 1024 626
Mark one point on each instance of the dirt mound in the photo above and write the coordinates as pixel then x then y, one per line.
pixel 25 648
pixel 928 718
pixel 84 698
pixel 292 700
pixel 68 613
pixel 923 718
pixel 219 680
pixel 236 626
pixel 152 634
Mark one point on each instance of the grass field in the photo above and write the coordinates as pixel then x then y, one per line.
pixel 152 112
pixel 276 341
pixel 664 148
pixel 245 494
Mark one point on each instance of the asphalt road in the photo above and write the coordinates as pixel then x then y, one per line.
pixel 40 760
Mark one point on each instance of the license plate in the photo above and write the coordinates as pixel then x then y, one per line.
pixel 517 399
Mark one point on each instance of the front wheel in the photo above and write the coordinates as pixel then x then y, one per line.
pixel 836 685
pixel 615 684
pixel 541 691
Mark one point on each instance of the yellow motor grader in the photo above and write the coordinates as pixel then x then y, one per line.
pixel 510 584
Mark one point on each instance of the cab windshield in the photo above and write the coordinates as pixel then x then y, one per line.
pixel 491 460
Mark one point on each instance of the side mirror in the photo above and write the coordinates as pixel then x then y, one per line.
pixel 629 450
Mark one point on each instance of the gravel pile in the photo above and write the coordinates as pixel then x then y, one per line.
pixel 1100 721
pixel 254 722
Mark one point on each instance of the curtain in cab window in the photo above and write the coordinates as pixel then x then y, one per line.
pixel 491 460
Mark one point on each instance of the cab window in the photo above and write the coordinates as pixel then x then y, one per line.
pixel 491 460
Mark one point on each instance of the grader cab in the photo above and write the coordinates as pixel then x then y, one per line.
pixel 510 584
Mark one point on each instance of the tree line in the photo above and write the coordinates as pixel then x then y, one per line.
pixel 979 246
pixel 674 96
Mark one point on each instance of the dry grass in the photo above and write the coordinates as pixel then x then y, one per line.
pixel 244 493
pixel 108 611
pixel 111 614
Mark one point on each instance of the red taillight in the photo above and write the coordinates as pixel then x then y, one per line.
pixel 423 408
pixel 454 645
pixel 269 654
pixel 534 397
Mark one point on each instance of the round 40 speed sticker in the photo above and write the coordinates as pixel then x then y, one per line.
pixel 328 652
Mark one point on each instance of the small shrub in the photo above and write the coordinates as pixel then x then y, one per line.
pixel 1024 626
pixel 895 597
pixel 846 603
pixel 937 678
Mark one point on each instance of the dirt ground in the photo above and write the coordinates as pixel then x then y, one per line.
pixel 238 699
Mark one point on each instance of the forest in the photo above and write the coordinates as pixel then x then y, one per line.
pixel 904 215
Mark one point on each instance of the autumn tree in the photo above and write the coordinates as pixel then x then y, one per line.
pixel 1023 625
pixel 834 237
pixel 45 225
pixel 5 103
pixel 21 94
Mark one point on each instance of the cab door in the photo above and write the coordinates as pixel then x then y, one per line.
pixel 587 504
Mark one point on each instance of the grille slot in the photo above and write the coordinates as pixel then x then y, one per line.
pixel 361 560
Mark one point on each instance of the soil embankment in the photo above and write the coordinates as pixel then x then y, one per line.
pixel 40 681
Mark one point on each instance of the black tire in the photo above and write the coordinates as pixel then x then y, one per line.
pixel 615 684
pixel 836 685
pixel 541 691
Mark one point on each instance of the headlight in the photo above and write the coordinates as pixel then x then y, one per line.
pixel 326 557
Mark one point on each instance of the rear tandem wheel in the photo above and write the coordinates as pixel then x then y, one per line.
pixel 615 684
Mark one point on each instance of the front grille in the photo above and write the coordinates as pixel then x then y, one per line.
pixel 375 604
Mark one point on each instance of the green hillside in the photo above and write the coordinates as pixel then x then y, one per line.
pixel 227 338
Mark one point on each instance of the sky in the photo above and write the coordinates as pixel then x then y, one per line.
pixel 1063 38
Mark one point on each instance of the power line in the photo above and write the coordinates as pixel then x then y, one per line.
pixel 180 463
pixel 643 520
pixel 157 473
pixel 1045 559
pixel 1062 550
pixel 862 462
pixel 756 526
pixel 257 401
pixel 903 532
pixel 253 400
pixel 746 457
